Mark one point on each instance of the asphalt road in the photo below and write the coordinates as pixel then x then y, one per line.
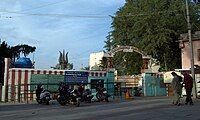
pixel 158 108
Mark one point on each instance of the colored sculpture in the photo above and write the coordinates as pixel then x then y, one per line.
pixel 63 62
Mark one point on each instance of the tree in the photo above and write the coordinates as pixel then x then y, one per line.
pixel 108 42
pixel 70 66
pixel 127 63
pixel 103 63
pixel 85 68
pixel 15 51
pixel 24 49
pixel 5 50
pixel 153 26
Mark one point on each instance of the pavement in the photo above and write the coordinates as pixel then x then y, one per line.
pixel 139 108
pixel 115 100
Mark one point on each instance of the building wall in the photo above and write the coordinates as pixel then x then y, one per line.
pixel 185 48
pixel 95 58
pixel 17 81
pixel 186 54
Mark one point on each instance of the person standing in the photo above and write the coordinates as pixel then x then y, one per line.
pixel 177 88
pixel 188 82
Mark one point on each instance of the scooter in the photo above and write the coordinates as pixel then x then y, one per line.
pixel 102 95
pixel 42 96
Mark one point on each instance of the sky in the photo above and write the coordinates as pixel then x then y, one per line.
pixel 79 27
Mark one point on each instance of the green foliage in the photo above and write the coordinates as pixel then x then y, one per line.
pixel 95 68
pixel 85 68
pixel 108 43
pixel 70 66
pixel 103 63
pixel 24 49
pixel 127 63
pixel 154 26
pixel 4 50
pixel 14 51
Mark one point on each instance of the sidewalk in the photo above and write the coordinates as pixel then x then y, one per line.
pixel 116 100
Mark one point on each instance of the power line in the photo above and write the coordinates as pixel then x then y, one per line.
pixel 57 15
pixel 41 6
pixel 77 16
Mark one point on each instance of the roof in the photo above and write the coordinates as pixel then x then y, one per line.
pixel 195 37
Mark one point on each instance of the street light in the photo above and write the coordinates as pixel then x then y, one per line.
pixel 191 49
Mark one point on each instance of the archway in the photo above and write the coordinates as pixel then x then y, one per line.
pixel 147 60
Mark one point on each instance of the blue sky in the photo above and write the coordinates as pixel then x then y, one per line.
pixel 54 25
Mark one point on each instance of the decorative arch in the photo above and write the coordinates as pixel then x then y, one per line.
pixel 128 49
pixel 147 60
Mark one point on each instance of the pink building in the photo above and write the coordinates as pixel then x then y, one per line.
pixel 185 48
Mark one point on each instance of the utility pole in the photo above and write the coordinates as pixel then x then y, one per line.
pixel 191 50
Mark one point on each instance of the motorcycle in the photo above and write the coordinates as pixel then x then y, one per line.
pixel 42 96
pixel 87 96
pixel 102 94
pixel 71 97
pixel 138 91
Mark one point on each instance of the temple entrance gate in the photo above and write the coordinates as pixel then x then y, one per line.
pixel 147 60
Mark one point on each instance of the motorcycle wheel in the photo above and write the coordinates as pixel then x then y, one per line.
pixel 47 102
pixel 62 103
pixel 77 104
pixel 99 96
pixel 89 101
pixel 106 99
pixel 39 101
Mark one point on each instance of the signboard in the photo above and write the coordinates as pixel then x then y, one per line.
pixel 128 50
pixel 76 77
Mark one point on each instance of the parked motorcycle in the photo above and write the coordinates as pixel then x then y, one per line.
pixel 42 96
pixel 137 91
pixel 102 94
pixel 70 97
pixel 87 96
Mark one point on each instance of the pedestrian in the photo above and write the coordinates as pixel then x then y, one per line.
pixel 177 88
pixel 188 83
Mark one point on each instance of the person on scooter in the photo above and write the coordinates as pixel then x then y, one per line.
pixel 39 89
pixel 81 90
pixel 63 89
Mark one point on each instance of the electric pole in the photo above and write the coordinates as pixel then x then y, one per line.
pixel 191 49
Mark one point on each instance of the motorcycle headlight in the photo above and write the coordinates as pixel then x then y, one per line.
pixel 104 92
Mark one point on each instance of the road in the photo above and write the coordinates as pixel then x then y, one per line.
pixel 158 108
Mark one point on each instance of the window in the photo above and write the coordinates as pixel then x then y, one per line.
pixel 198 54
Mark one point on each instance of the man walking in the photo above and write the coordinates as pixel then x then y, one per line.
pixel 188 81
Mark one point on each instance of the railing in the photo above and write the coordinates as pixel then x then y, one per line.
pixel 26 93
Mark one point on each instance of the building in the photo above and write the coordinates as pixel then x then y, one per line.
pixel 185 57
pixel 96 59
pixel 185 49
pixel 20 83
